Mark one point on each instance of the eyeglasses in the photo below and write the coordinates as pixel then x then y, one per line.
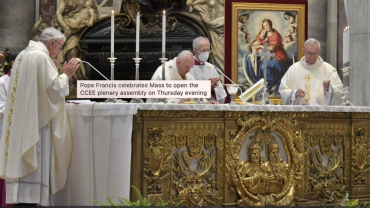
pixel 61 46
pixel 312 54
pixel 202 51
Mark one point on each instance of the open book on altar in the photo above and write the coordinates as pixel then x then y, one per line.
pixel 254 89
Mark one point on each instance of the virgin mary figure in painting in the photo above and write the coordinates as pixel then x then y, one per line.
pixel 276 66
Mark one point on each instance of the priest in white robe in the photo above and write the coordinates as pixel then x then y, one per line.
pixel 36 142
pixel 202 70
pixel 4 82
pixel 177 69
pixel 311 81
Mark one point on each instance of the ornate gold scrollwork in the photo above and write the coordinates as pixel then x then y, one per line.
pixel 197 164
pixel 179 114
pixel 360 155
pixel 259 182
pixel 156 160
pixel 328 144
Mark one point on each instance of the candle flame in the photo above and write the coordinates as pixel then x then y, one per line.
pixel 164 12
pixel 138 14
pixel 112 11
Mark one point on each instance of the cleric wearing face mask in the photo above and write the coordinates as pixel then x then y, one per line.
pixel 202 70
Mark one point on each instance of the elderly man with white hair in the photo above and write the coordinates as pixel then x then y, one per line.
pixel 311 81
pixel 177 69
pixel 36 143
pixel 203 70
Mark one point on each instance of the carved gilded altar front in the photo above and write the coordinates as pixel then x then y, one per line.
pixel 251 158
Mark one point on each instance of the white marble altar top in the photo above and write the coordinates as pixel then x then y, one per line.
pixel 106 109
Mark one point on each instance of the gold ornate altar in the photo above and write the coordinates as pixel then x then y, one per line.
pixel 255 158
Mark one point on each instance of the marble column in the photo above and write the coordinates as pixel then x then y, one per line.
pixel 332 28
pixel 317 23
pixel 358 20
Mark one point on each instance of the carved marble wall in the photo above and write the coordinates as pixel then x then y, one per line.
pixel 18 19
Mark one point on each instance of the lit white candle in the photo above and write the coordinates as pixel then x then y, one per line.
pixel 347 45
pixel 112 35
pixel 137 34
pixel 344 46
pixel 348 40
pixel 164 34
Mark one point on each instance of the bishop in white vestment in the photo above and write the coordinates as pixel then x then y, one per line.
pixel 202 70
pixel 311 81
pixel 36 142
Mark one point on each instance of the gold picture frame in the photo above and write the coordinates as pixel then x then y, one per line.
pixel 247 19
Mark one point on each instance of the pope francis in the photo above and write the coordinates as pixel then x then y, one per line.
pixel 36 142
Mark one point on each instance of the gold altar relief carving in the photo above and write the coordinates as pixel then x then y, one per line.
pixel 197 163
pixel 218 158
pixel 361 115
pixel 260 182
pixel 364 190
pixel 328 154
pixel 157 157
pixel 341 115
pixel 360 155
pixel 323 115
pixel 179 114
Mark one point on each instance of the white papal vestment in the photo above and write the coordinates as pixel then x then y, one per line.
pixel 171 74
pixel 36 142
pixel 310 78
pixel 206 72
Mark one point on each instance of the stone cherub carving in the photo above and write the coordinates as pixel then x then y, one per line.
pixel 37 29
pixel 85 17
pixel 212 14
pixel 72 16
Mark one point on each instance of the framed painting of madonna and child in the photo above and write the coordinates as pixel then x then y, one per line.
pixel 281 26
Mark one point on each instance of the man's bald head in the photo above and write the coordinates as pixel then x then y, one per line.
pixel 184 62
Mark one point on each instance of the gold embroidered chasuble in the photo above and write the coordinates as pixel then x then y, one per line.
pixel 35 100
pixel 310 78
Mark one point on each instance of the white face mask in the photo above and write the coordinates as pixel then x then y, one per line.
pixel 203 57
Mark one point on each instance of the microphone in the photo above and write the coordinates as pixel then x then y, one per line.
pixel 323 83
pixel 79 60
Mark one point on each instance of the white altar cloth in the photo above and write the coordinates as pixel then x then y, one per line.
pixel 101 157
pixel 101 132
